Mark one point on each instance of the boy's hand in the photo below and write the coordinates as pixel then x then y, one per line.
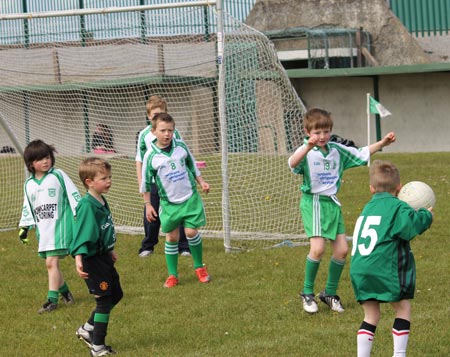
pixel 23 234
pixel 79 267
pixel 205 187
pixel 312 141
pixel 389 138
pixel 150 213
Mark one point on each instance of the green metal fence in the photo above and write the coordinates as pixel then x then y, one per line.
pixel 23 32
pixel 424 17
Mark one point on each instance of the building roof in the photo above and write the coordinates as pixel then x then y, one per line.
pixel 368 71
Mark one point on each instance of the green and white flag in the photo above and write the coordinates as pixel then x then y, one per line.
pixel 377 108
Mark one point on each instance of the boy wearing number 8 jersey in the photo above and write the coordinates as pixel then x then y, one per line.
pixel 170 164
pixel 382 264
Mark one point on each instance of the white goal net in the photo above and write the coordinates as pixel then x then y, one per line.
pixel 65 75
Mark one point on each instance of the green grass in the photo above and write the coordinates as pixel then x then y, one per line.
pixel 251 307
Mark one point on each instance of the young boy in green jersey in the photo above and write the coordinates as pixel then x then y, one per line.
pixel 172 167
pixel 382 265
pixel 93 249
pixel 322 163
pixel 154 105
pixel 49 205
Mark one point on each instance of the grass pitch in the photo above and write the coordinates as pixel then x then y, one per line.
pixel 250 308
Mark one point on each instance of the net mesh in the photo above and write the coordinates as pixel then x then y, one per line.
pixel 63 81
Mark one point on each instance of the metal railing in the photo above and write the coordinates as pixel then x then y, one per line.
pixel 19 31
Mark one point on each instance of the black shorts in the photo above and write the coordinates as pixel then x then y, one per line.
pixel 103 278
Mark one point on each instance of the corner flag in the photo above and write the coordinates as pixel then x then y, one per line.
pixel 377 108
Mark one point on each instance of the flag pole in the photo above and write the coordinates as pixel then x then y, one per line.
pixel 368 124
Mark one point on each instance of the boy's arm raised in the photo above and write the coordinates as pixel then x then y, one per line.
pixel 387 140
pixel 297 157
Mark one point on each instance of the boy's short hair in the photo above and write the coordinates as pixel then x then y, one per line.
pixel 164 117
pixel 37 150
pixel 316 118
pixel 155 101
pixel 90 167
pixel 384 176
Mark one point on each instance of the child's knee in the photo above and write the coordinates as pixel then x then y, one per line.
pixel 316 253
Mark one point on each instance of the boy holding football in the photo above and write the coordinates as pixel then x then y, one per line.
pixel 170 164
pixel 49 205
pixel 155 105
pixel 322 163
pixel 382 266
pixel 93 249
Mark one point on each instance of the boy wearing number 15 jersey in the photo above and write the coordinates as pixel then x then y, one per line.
pixel 382 265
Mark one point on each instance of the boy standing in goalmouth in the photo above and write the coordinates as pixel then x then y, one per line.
pixel 322 164
pixel 171 165
pixel 382 267
pixel 155 105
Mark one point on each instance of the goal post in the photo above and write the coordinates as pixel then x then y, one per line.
pixel 231 99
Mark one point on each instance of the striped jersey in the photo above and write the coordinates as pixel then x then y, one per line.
pixel 49 205
pixel 174 172
pixel 145 140
pixel 382 264
pixel 322 172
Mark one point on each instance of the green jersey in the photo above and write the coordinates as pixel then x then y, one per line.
pixel 174 172
pixel 145 139
pixel 49 205
pixel 322 172
pixel 382 264
pixel 94 232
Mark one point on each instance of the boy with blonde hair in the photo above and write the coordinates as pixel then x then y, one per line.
pixel 322 163
pixel 382 267
pixel 93 249
pixel 155 105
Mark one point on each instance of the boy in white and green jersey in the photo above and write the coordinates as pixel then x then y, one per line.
pixel 172 167
pixel 50 199
pixel 382 266
pixel 154 105
pixel 322 164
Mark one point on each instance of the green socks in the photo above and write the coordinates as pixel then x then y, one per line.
pixel 52 296
pixel 334 275
pixel 196 248
pixel 311 269
pixel 171 253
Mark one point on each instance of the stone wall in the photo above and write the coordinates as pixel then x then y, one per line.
pixel 391 42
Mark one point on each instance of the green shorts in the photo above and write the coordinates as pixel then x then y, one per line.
pixel 189 214
pixel 62 253
pixel 321 216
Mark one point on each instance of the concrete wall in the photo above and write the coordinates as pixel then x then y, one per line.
pixel 419 104
pixel 391 42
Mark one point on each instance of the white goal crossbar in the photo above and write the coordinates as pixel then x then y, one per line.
pixel 106 10
pixel 231 99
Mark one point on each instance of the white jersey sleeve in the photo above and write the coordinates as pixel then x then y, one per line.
pixel 71 190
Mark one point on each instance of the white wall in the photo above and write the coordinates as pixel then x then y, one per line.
pixel 420 104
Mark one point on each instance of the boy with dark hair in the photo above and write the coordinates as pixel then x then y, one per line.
pixel 93 249
pixel 322 164
pixel 49 205
pixel 382 267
